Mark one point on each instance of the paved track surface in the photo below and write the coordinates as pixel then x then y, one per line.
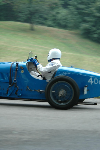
pixel 29 125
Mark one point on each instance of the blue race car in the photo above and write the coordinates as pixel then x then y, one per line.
pixel 67 87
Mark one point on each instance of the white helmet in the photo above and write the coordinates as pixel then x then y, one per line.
pixel 54 54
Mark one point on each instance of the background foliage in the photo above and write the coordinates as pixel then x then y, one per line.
pixel 83 15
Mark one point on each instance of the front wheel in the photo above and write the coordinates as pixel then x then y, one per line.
pixel 62 92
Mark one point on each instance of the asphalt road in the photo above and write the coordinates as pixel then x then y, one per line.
pixel 29 125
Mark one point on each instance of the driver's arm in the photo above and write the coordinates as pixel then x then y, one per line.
pixel 48 68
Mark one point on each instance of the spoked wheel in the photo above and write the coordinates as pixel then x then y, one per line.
pixel 62 92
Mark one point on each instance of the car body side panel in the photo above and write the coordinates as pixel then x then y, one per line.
pixel 25 85
pixel 29 84
pixel 83 78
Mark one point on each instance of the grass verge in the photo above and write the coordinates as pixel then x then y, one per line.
pixel 16 41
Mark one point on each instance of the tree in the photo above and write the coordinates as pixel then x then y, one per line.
pixel 62 18
pixel 65 3
pixel 6 10
pixel 53 9
pixel 25 10
pixel 28 10
pixel 91 27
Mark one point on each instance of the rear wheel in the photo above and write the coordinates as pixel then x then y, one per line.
pixel 62 92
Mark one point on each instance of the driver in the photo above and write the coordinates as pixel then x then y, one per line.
pixel 53 58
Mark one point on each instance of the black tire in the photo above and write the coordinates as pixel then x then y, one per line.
pixel 81 100
pixel 62 92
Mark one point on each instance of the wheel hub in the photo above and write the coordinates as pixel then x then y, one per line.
pixel 62 93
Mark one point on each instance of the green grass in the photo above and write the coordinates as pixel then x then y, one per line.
pixel 16 41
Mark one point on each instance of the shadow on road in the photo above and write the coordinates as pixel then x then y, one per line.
pixel 26 105
pixel 47 106
pixel 44 104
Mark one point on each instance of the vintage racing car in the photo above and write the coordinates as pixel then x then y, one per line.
pixel 67 87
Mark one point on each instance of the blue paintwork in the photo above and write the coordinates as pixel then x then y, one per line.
pixel 27 86
pixel 83 78
pixel 24 79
